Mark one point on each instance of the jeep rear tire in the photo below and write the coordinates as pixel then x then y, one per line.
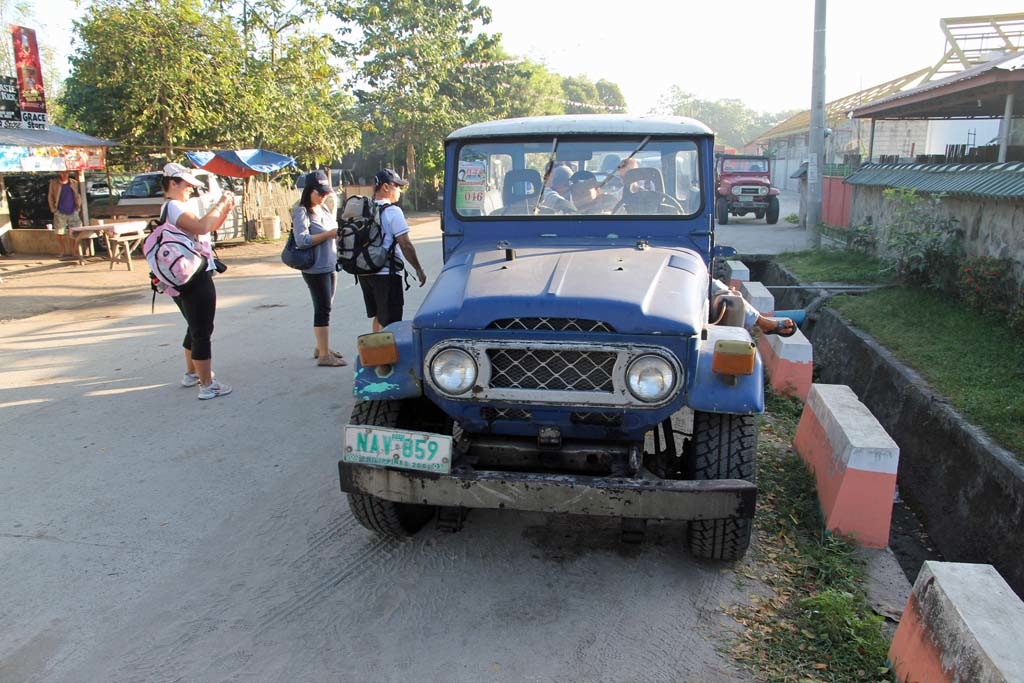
pixel 722 206
pixel 722 447
pixel 376 514
pixel 771 216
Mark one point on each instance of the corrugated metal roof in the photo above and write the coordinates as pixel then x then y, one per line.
pixel 54 136
pixel 992 181
pixel 1009 62
pixel 835 111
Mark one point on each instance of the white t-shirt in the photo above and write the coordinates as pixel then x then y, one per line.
pixel 177 207
pixel 393 225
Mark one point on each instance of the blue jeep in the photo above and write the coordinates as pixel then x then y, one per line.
pixel 564 361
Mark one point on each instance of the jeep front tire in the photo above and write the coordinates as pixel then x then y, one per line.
pixel 722 447
pixel 771 216
pixel 376 514
pixel 722 206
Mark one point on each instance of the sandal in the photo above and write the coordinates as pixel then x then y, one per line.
pixel 332 362
pixel 784 327
pixel 316 353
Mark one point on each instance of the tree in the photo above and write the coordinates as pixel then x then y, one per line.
pixel 166 75
pixel 156 74
pixel 734 123
pixel 610 95
pixel 421 70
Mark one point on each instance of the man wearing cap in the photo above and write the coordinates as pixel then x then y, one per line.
pixel 556 190
pixel 382 292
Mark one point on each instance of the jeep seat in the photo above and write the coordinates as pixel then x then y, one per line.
pixel 642 190
pixel 520 191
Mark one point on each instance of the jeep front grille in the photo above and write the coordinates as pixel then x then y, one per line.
pixel 551 369
pixel 489 413
pixel 584 376
pixel 552 324
pixel 597 419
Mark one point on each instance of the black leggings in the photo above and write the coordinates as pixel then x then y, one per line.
pixel 198 303
pixel 321 288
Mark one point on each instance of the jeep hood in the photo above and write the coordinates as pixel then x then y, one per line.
pixel 655 290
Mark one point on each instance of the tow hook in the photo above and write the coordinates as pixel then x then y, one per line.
pixel 549 438
pixel 635 458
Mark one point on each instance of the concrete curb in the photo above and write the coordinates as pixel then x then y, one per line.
pixel 962 622
pixel 788 362
pixel 854 463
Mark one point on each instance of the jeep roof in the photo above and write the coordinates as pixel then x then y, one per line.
pixel 584 124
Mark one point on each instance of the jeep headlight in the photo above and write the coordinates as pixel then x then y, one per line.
pixel 650 378
pixel 762 190
pixel 454 371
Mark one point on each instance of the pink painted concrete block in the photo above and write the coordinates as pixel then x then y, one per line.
pixel 789 363
pixel 962 623
pixel 854 463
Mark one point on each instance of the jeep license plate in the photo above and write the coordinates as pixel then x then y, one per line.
pixel 407 450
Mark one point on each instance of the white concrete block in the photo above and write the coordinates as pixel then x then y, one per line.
pixel 759 297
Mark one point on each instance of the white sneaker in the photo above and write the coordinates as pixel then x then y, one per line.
pixel 213 390
pixel 190 379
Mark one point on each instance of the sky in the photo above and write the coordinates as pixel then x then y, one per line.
pixel 755 51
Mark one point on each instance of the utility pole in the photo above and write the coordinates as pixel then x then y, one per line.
pixel 816 140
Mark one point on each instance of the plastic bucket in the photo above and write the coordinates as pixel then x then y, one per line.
pixel 271 227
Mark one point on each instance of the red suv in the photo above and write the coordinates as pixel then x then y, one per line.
pixel 743 185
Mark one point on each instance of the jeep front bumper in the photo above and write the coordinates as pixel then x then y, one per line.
pixel 640 498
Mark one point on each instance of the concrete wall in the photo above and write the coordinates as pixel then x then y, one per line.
pixel 991 228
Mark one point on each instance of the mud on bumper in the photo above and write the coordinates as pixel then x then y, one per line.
pixel 640 498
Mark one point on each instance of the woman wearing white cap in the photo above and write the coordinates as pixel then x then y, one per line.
pixel 197 299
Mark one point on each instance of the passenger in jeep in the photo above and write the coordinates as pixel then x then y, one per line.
pixel 557 189
pixel 586 194
pixel 784 327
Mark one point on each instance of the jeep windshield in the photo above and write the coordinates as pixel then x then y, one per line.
pixel 744 166
pixel 550 179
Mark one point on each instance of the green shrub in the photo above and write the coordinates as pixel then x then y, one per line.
pixel 924 247
pixel 793 218
pixel 863 239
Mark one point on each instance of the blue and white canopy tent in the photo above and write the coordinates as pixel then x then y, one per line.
pixel 265 205
pixel 240 163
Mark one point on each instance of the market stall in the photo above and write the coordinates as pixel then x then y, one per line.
pixel 42 153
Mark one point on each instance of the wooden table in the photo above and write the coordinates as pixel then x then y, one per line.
pixel 121 239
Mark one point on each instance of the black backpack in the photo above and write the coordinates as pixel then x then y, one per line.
pixel 361 239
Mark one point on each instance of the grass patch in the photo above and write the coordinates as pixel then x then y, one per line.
pixel 817 624
pixel 828 265
pixel 975 361
pixel 793 218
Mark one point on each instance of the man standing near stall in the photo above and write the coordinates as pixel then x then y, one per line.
pixel 65 201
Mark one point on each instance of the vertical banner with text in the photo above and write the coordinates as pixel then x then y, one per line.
pixel 31 96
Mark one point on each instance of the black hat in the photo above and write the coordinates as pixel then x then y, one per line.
pixel 318 181
pixel 388 176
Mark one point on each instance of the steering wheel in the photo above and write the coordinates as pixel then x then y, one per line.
pixel 664 200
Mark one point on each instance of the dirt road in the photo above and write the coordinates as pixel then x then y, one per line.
pixel 148 536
